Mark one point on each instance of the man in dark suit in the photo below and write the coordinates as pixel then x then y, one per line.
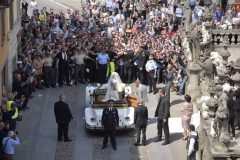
pixel 163 113
pixel 128 66
pixel 140 121
pixel 110 121
pixel 63 67
pixel 142 60
pixel 63 116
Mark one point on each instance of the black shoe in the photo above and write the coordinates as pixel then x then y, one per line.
pixel 158 140
pixel 103 147
pixel 155 92
pixel 75 84
pixel 143 144
pixel 67 140
pixel 149 91
pixel 136 144
pixel 165 143
pixel 59 139
pixel 69 84
pixel 114 148
pixel 53 86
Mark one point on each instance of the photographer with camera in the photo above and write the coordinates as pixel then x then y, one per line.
pixel 9 144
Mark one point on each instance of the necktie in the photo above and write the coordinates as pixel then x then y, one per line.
pixel 65 56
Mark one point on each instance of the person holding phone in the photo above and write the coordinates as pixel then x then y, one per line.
pixel 9 144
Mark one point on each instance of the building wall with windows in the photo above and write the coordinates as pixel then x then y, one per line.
pixel 14 21
pixel 4 46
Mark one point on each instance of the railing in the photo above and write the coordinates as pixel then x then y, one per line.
pixel 229 37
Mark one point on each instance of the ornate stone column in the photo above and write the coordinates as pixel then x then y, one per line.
pixel 194 88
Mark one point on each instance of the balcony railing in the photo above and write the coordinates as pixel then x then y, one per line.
pixel 221 37
pixel 5 3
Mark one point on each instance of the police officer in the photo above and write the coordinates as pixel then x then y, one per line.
pixel 101 64
pixel 151 68
pixel 110 121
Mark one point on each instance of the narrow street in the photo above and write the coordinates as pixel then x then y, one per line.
pixel 38 130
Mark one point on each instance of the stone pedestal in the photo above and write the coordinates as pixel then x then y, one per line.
pixel 194 88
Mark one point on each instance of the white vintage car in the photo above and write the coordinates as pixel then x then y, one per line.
pixel 95 106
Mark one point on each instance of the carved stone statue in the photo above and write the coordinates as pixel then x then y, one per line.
pixel 212 103
pixel 187 16
pixel 209 68
pixel 236 76
pixel 221 122
pixel 187 49
pixel 193 36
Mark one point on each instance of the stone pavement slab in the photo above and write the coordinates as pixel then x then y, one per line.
pixel 38 128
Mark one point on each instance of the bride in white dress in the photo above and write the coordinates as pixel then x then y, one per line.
pixel 113 85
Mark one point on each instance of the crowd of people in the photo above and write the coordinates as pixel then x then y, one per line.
pixel 88 45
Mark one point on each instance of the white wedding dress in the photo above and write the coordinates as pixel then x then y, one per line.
pixel 112 88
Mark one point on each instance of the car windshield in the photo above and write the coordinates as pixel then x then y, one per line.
pixel 99 95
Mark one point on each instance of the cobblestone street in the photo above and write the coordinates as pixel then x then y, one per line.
pixel 38 132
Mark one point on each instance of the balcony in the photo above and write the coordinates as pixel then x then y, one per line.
pixel 231 37
pixel 5 3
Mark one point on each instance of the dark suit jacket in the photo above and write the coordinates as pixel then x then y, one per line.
pixel 142 59
pixel 62 63
pixel 62 112
pixel 110 119
pixel 128 59
pixel 163 108
pixel 141 116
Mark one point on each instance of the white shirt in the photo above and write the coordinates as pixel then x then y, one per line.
pixel 64 56
pixel 33 4
pixel 179 12
pixel 79 58
pixel 109 4
pixel 191 144
pixel 150 65
pixel 165 11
